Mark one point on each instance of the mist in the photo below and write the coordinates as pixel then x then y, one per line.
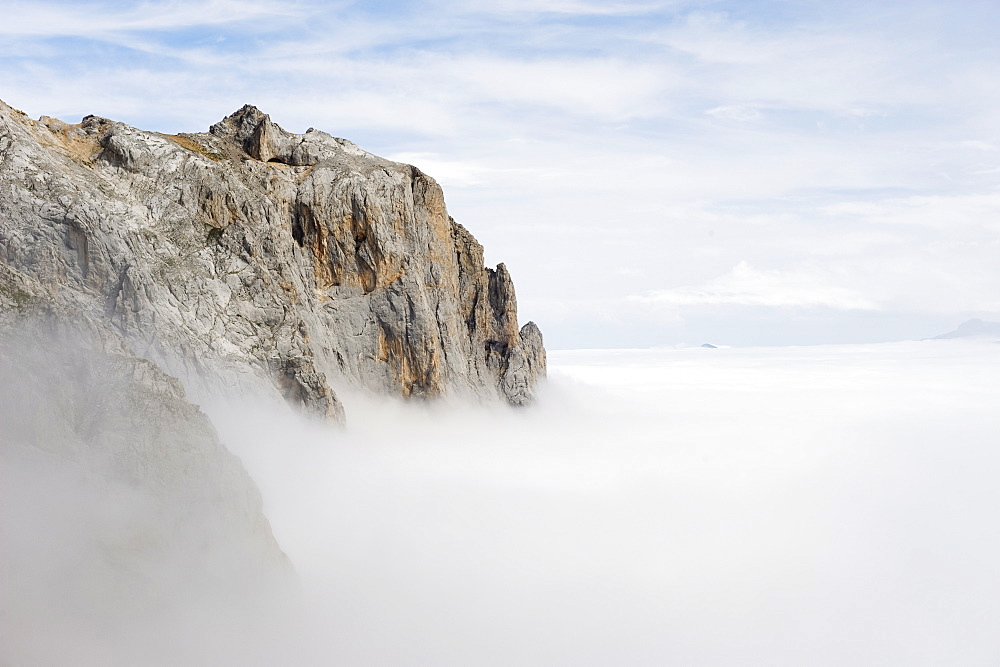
pixel 128 534
pixel 817 505
pixel 782 506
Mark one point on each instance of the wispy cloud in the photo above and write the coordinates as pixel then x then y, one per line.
pixel 570 7
pixel 93 20
pixel 454 173
pixel 743 113
pixel 956 214
pixel 747 286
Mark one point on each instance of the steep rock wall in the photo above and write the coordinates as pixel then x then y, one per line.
pixel 248 252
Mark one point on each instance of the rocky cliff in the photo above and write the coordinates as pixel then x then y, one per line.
pixel 248 253
pixel 137 269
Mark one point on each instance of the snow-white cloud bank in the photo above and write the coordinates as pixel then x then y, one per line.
pixel 784 506
pixel 824 505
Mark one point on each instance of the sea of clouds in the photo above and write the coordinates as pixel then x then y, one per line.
pixel 824 505
pixel 775 506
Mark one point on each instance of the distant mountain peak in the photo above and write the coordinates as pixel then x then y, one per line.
pixel 974 328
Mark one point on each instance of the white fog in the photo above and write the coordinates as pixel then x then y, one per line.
pixel 815 505
pixel 775 506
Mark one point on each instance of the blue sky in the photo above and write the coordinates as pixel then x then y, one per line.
pixel 653 173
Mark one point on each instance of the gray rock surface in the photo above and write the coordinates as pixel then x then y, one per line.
pixel 248 253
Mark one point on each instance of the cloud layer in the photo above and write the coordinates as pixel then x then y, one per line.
pixel 818 506
pixel 821 505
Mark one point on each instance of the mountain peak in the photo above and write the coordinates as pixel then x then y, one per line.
pixel 974 328
pixel 227 269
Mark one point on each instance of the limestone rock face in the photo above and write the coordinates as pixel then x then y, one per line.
pixel 248 253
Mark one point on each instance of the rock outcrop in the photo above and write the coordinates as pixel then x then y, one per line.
pixel 139 269
pixel 248 253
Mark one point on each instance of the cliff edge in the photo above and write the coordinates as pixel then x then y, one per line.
pixel 249 253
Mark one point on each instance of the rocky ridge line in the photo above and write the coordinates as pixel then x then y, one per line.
pixel 249 253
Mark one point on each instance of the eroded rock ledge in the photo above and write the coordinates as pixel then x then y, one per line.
pixel 250 253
